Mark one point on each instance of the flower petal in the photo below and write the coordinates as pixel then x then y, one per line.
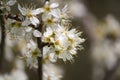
pixel 47 3
pixel 22 10
pixel 54 5
pixel 34 21
pixel 28 29
pixel 11 2
pixel 56 13
pixel 65 9
pixel 53 58
pixel 8 8
pixel 37 33
pixel 37 11
pixel 26 22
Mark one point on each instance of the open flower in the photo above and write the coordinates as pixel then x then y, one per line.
pixel 47 35
pixel 6 5
pixel 65 42
pixel 61 15
pixel 30 15
pixel 49 20
pixel 52 72
pixel 30 53
pixel 49 7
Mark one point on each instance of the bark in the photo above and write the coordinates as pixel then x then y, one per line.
pixel 2 44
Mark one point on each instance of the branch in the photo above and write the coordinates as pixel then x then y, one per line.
pixel 2 45
pixel 17 18
pixel 40 59
pixel 47 0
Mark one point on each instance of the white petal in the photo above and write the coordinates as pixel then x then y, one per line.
pixel 54 5
pixel 37 11
pixel 45 17
pixel 65 8
pixel 8 8
pixel 26 22
pixel 47 3
pixel 52 57
pixel 36 33
pixel 56 13
pixel 28 29
pixel 11 2
pixel 22 10
pixel 31 45
pixel 34 21
pixel 49 32
pixel 1 7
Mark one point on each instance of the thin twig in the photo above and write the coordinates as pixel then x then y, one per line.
pixel 17 18
pixel 40 59
pixel 2 45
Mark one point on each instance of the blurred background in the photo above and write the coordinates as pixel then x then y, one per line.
pixel 99 22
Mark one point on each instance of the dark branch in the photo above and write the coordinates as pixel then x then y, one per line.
pixel 40 59
pixel 2 45
pixel 17 18
pixel 47 0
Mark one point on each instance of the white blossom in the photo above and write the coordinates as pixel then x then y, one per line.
pixel 7 4
pixel 104 55
pixel 49 20
pixel 61 13
pixel 65 42
pixel 51 72
pixel 30 15
pixel 57 39
pixel 48 54
pixel 30 52
pixel 48 7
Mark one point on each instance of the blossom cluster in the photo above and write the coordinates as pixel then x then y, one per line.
pixel 5 5
pixel 50 25
pixel 105 51
pixel 52 72
pixel 63 41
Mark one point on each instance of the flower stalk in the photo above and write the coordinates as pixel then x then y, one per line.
pixel 39 42
pixel 2 44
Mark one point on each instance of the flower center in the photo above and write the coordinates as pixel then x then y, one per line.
pixel 47 8
pixel 29 15
pixel 50 21
pixel 62 16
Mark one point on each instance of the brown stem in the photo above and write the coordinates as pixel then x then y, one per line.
pixel 47 0
pixel 40 59
pixel 17 18
pixel 2 45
